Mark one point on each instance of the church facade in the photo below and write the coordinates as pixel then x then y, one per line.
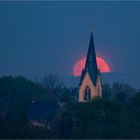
pixel 90 83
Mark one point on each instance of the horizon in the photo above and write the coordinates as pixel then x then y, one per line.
pixel 107 78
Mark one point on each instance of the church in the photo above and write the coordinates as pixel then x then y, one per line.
pixel 90 85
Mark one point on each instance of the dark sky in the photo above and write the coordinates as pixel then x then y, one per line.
pixel 41 37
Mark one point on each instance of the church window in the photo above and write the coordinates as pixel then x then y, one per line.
pixel 87 93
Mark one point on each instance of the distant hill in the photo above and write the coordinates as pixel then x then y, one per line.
pixel 110 78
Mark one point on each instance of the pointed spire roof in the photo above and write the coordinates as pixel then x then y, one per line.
pixel 91 56
pixel 91 63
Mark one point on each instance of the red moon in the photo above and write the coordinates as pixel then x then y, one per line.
pixel 102 66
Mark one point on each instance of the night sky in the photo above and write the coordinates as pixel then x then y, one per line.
pixel 41 37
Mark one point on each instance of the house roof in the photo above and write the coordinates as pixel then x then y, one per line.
pixel 43 110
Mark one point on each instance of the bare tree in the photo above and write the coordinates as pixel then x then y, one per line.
pixel 123 88
pixel 52 83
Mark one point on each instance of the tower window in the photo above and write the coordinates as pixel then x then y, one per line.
pixel 87 93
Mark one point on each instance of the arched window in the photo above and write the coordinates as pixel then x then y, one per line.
pixel 87 93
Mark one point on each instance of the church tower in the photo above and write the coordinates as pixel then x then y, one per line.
pixel 90 84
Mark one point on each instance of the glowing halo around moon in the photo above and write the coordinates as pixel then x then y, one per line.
pixel 79 65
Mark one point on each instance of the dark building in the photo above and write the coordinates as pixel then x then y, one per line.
pixel 42 113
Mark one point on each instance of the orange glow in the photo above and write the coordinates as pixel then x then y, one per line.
pixel 102 66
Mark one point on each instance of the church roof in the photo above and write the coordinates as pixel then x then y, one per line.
pixel 91 63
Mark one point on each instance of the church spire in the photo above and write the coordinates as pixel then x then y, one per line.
pixel 90 84
pixel 91 63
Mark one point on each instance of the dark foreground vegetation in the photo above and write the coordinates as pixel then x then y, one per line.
pixel 115 115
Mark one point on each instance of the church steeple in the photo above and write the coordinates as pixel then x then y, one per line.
pixel 91 63
pixel 90 84
pixel 91 55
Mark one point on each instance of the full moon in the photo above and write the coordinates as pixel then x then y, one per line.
pixel 80 64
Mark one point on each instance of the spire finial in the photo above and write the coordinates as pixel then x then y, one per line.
pixel 92 35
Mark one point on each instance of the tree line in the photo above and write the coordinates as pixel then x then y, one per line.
pixel 115 115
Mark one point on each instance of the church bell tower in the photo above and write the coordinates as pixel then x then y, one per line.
pixel 90 84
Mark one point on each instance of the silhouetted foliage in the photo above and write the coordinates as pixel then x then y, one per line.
pixel 16 93
pixel 126 89
pixel 106 90
pixel 115 115
pixel 52 84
